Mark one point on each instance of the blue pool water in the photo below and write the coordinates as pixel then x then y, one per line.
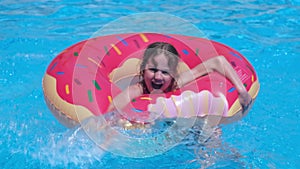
pixel 32 33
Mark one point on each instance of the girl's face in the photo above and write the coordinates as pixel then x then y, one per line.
pixel 158 74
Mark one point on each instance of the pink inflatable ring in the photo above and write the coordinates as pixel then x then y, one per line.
pixel 82 80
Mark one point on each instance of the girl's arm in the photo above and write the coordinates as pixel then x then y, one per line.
pixel 125 97
pixel 222 66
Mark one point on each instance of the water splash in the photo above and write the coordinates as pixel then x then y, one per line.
pixel 72 147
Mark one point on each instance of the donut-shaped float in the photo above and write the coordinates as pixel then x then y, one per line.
pixel 83 79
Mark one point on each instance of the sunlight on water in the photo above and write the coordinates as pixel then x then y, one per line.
pixel 146 22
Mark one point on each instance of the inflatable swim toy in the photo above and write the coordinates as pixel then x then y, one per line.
pixel 83 79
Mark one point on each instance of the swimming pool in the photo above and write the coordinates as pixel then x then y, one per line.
pixel 32 33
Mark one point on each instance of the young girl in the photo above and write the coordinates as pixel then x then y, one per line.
pixel 158 74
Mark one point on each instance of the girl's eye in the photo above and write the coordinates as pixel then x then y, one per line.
pixel 164 72
pixel 154 70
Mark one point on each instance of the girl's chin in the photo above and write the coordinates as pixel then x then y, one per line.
pixel 157 91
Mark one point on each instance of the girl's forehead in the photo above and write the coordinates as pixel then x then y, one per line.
pixel 159 61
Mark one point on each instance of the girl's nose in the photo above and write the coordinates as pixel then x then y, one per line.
pixel 158 75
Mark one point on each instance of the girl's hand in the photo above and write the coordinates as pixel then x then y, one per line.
pixel 245 100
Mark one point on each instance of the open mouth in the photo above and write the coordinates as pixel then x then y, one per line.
pixel 156 86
